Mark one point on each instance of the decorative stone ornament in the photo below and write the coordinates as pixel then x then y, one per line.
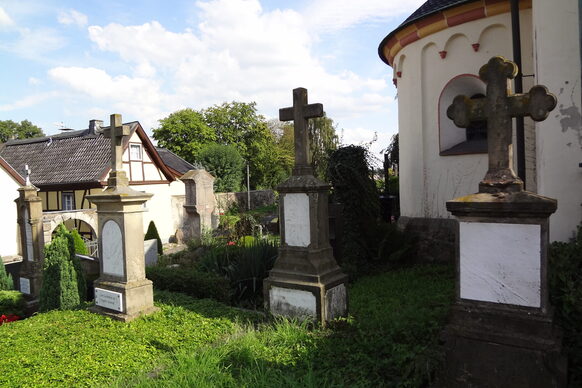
pixel 306 281
pixel 122 291
pixel 501 331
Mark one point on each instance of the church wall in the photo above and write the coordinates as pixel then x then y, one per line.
pixel 428 179
pixel 8 228
pixel 559 138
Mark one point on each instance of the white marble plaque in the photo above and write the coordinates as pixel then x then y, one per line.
pixel 296 215
pixel 501 263
pixel 291 302
pixel 112 249
pixel 109 299
pixel 25 286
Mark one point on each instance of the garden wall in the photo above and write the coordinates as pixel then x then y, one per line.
pixel 258 198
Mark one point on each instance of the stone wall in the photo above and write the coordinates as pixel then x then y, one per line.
pixel 435 238
pixel 258 198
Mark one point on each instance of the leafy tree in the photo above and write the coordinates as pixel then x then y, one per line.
pixel 23 130
pixel 152 233
pixel 226 164
pixel 6 281
pixel 185 133
pixel 323 140
pixel 59 288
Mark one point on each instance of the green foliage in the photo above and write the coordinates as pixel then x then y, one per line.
pixel 354 187
pixel 226 164
pixel 6 281
pixel 62 231
pixel 323 140
pixel 11 302
pixel 189 281
pixel 59 288
pixel 152 233
pixel 247 225
pixel 184 132
pixel 565 280
pixel 23 130
pixel 392 155
pixel 80 247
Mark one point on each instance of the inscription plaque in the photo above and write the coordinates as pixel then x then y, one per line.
pixel 109 299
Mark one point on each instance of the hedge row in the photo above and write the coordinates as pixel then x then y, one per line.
pixel 190 281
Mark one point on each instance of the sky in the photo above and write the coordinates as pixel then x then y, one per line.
pixel 63 63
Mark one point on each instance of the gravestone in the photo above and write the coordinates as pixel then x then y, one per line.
pixel 200 203
pixel 122 291
pixel 305 281
pixel 501 331
pixel 29 210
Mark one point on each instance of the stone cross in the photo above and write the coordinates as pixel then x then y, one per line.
pixel 498 108
pixel 299 113
pixel 28 171
pixel 116 132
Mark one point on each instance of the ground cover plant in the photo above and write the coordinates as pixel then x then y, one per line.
pixel 389 340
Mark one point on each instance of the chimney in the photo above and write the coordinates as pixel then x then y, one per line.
pixel 94 127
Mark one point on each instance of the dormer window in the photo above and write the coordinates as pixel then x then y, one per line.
pixel 135 152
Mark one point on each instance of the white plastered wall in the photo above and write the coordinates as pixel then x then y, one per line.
pixel 559 138
pixel 9 226
pixel 428 180
pixel 159 207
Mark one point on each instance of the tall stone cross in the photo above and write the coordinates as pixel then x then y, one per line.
pixel 300 112
pixel 498 108
pixel 115 132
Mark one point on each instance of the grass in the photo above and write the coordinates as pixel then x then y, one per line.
pixel 389 340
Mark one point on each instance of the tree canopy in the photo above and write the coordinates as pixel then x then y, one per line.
pixel 25 129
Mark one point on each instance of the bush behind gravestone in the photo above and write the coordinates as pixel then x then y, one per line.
pixel 565 279
pixel 59 290
pixel 11 302
pixel 62 231
pixel 151 234
pixel 80 247
pixel 6 281
pixel 189 281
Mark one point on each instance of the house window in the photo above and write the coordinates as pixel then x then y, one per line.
pixel 454 140
pixel 68 200
pixel 135 152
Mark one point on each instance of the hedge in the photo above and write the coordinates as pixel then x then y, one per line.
pixel 190 281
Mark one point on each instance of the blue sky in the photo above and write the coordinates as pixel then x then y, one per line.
pixel 72 61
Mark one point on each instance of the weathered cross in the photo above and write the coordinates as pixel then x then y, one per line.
pixel 27 170
pixel 115 132
pixel 299 113
pixel 498 108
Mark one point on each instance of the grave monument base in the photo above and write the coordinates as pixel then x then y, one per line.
pixel 135 297
pixel 497 347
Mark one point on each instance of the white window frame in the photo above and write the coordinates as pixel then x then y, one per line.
pixel 68 198
pixel 132 150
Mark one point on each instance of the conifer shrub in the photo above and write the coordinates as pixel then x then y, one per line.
pixel 152 233
pixel 62 231
pixel 11 303
pixel 59 290
pixel 6 281
pixel 80 247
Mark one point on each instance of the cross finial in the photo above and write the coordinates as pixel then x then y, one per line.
pixel 498 108
pixel 116 132
pixel 27 171
pixel 299 113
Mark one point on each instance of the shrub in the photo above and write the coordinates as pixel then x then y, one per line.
pixel 11 303
pixel 62 231
pixel 189 281
pixel 226 164
pixel 565 279
pixel 80 247
pixel 59 288
pixel 247 225
pixel 6 281
pixel 152 233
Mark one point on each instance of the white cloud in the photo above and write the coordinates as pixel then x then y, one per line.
pixel 34 81
pixel 238 52
pixel 72 17
pixel 5 19
pixel 28 101
pixel 333 15
pixel 33 43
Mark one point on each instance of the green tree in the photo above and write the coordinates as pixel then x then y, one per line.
pixel 152 233
pixel 62 231
pixel 323 140
pixel 185 133
pixel 80 247
pixel 226 164
pixel 59 288
pixel 6 281
pixel 23 130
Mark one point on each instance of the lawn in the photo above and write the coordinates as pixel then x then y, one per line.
pixel 389 339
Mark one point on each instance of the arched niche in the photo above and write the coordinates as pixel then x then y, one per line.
pixel 452 139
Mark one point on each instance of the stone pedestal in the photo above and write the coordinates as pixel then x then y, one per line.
pixel 200 203
pixel 29 206
pixel 122 291
pixel 501 331
pixel 306 281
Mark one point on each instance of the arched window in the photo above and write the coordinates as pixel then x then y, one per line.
pixel 455 140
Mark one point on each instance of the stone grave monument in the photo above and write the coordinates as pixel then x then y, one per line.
pixel 122 291
pixel 200 203
pixel 29 210
pixel 306 281
pixel 501 332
